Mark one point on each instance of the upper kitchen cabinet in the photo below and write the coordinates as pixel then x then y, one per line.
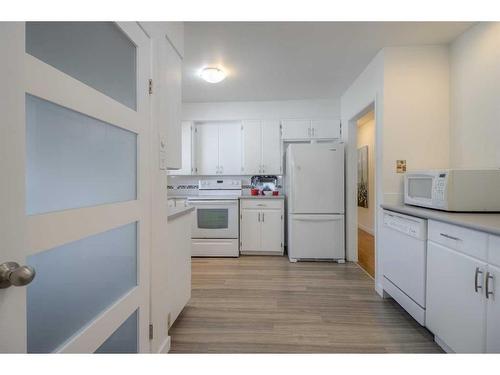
pixel 165 87
pixel 188 165
pixel 229 149
pixel 311 129
pixel 218 148
pixel 261 147
pixel 296 129
pixel 325 129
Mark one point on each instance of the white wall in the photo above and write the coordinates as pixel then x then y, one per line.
pixel 475 97
pixel 416 125
pixel 261 110
pixel 410 88
pixel 364 94
pixel 366 137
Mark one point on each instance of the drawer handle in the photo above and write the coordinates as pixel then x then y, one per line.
pixel 476 277
pixel 261 205
pixel 450 237
pixel 489 277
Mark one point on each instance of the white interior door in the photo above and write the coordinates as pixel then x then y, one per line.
pixel 317 178
pixel 230 149
pixel 207 149
pixel 252 147
pixel 271 147
pixel 75 191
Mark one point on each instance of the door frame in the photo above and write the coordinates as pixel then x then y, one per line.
pixel 352 178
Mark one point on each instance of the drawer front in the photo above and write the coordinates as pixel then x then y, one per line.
pixel 262 203
pixel 494 250
pixel 467 241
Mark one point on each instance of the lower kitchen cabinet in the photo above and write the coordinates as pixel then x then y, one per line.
pixel 261 226
pixel 455 299
pixel 493 309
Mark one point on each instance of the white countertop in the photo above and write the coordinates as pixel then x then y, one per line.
pixel 175 212
pixel 484 222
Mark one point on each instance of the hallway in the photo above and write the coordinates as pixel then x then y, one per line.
pixel 268 305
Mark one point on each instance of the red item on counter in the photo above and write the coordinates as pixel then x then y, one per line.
pixel 275 193
pixel 254 191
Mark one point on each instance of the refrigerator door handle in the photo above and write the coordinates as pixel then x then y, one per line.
pixel 319 218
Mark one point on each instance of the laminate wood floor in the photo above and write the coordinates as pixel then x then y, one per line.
pixel 366 251
pixel 268 305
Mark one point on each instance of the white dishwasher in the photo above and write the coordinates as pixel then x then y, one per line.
pixel 404 257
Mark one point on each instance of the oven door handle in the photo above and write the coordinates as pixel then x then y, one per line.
pixel 214 203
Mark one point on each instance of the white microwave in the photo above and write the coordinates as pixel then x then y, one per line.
pixel 458 190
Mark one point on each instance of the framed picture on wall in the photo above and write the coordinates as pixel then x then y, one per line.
pixel 363 177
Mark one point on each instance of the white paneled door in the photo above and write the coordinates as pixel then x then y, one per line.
pixel 75 187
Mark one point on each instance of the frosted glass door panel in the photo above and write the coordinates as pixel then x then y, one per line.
pixel 123 340
pixel 77 281
pixel 98 54
pixel 74 160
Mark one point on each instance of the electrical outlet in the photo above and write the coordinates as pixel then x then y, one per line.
pixel 400 166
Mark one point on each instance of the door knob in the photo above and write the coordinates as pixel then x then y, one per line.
pixel 11 273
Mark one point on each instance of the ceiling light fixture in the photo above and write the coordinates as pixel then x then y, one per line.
pixel 213 75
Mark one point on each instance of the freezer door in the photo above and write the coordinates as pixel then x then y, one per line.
pixel 316 237
pixel 316 173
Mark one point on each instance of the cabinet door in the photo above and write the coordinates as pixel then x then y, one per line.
pixel 271 147
pixel 329 129
pixel 455 311
pixel 296 129
pixel 250 234
pixel 170 102
pixel 187 149
pixel 272 230
pixel 207 149
pixel 252 147
pixel 493 311
pixel 230 149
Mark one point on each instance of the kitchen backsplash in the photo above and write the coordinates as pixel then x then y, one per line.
pixel 188 185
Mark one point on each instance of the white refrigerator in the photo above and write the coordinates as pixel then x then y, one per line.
pixel 315 189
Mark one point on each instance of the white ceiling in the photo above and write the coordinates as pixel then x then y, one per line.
pixel 293 60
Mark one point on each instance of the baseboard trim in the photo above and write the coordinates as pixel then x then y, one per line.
pixel 443 345
pixel 165 346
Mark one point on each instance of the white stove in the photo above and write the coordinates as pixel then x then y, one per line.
pixel 215 228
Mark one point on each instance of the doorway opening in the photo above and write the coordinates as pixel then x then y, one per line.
pixel 365 144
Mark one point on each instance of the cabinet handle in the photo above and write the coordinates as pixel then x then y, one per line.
pixel 450 237
pixel 263 217
pixel 312 129
pixel 476 286
pixel 308 132
pixel 259 217
pixel 489 277
pixel 263 168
